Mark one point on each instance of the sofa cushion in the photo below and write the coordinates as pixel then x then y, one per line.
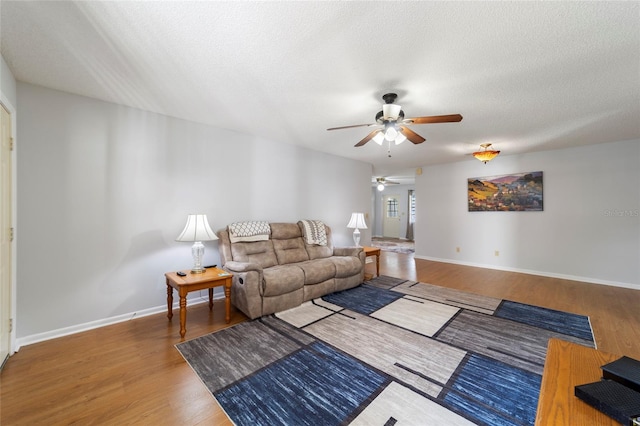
pixel 283 231
pixel 259 252
pixel 346 265
pixel 315 251
pixel 282 279
pixel 313 291
pixel 318 252
pixel 290 250
pixel 317 271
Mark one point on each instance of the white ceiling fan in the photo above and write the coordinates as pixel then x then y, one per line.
pixel 382 183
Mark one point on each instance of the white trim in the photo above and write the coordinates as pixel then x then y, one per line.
pixel 532 272
pixel 13 346
pixel 53 334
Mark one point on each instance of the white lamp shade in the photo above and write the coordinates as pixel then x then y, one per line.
pixel 357 221
pixel 400 138
pixel 197 229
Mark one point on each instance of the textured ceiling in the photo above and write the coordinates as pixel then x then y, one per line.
pixel 526 76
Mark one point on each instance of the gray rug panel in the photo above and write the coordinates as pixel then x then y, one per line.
pixel 287 330
pixel 515 343
pixel 448 296
pixel 222 358
pixel 385 282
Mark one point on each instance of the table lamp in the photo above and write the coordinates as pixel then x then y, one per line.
pixel 197 230
pixel 357 222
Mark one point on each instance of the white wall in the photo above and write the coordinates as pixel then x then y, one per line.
pixel 7 83
pixel 589 229
pixel 104 190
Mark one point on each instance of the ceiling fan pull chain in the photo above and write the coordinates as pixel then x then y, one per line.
pixel 389 150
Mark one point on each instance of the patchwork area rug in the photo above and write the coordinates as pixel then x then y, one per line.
pixel 388 352
pixel 395 245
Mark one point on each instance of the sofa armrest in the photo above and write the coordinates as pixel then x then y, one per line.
pixel 246 287
pixel 347 251
pixel 235 267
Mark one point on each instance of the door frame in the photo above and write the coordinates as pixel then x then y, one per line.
pixel 14 215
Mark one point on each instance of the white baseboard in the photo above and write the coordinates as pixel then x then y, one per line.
pixel 48 335
pixel 40 337
pixel 532 272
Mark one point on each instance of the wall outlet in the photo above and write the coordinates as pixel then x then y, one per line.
pixel 496 253
pixel 457 249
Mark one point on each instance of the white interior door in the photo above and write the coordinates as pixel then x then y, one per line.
pixel 6 235
pixel 391 216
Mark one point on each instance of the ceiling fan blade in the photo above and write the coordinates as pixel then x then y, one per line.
pixel 411 135
pixel 451 118
pixel 367 138
pixel 352 126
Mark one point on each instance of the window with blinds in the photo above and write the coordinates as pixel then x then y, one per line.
pixel 392 207
pixel 412 206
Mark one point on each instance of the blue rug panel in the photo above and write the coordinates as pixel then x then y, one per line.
pixel 548 319
pixel 315 386
pixel 510 392
pixel 478 413
pixel 363 299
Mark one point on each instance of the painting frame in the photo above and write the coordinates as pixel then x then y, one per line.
pixel 516 192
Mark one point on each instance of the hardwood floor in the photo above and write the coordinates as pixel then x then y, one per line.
pixel 130 373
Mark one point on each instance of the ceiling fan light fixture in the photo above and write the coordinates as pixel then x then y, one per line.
pixel 400 138
pixel 487 154
pixel 391 111
pixel 379 138
pixel 380 187
pixel 391 133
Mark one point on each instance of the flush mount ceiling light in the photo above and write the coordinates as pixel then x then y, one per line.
pixel 487 154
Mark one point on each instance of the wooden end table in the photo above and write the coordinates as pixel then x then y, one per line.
pixel 373 251
pixel 212 277
pixel 567 365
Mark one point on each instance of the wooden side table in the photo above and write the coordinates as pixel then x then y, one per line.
pixel 373 251
pixel 567 365
pixel 212 277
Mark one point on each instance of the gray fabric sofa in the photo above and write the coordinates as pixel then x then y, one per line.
pixel 283 271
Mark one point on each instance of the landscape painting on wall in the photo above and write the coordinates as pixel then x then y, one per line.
pixel 515 192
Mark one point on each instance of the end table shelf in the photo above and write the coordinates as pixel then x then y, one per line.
pixel 212 277
pixel 373 251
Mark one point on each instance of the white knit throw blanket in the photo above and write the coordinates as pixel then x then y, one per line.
pixel 315 232
pixel 249 231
